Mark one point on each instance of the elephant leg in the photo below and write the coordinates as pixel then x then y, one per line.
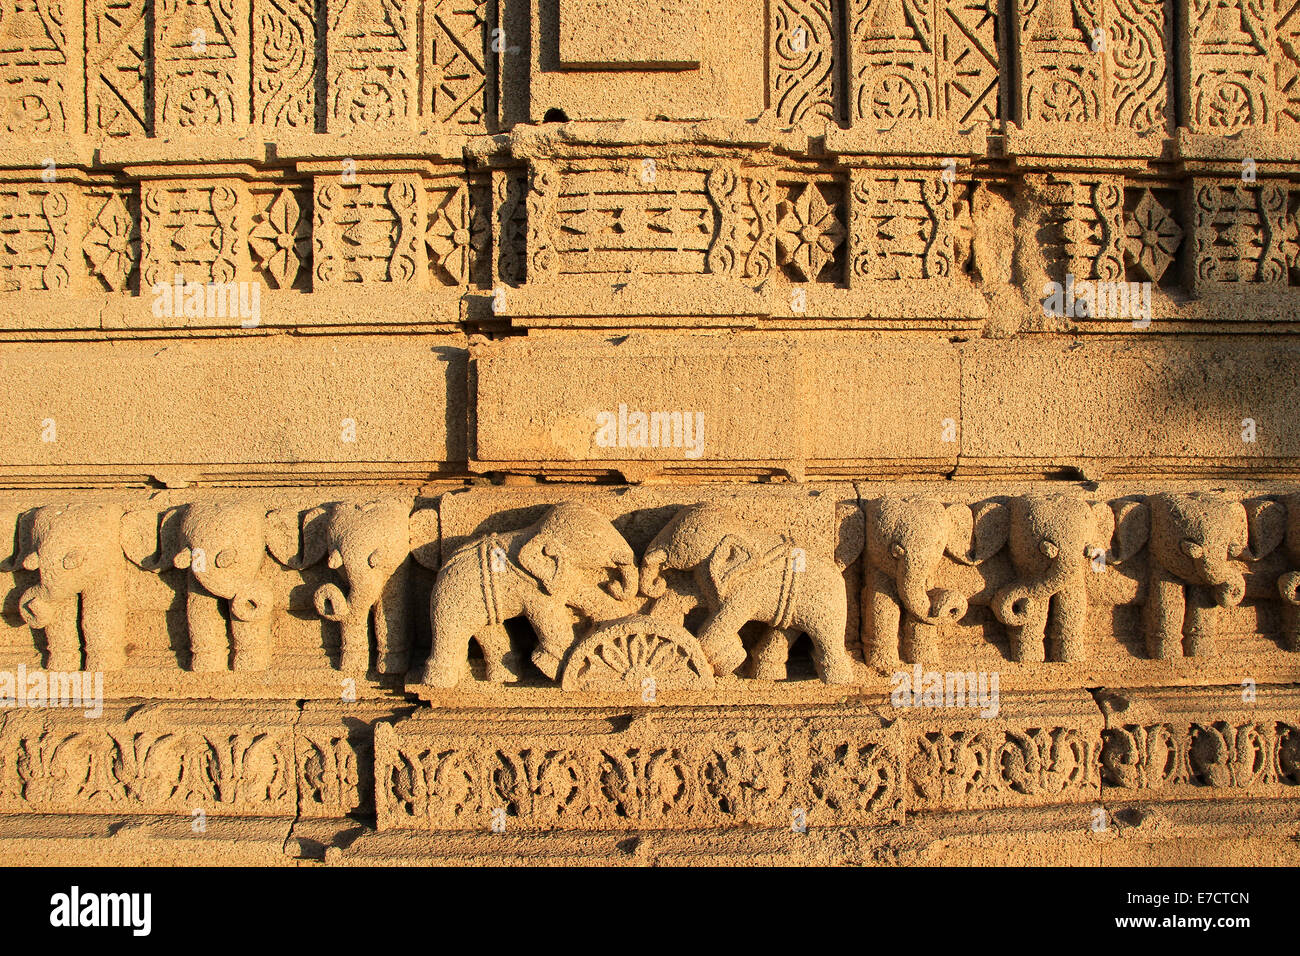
pixel 1028 640
pixel 209 645
pixel 354 641
pixel 251 642
pixel 451 635
pixel 1202 623
pixel 1068 623
pixel 720 638
pixel 825 627
pixel 920 642
pixel 553 623
pixel 103 621
pixel 392 629
pixel 1291 627
pixel 772 653
pixel 502 663
pixel 1166 603
pixel 883 617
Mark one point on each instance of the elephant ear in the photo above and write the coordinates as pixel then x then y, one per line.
pixel 542 557
pixel 151 539
pixel 852 534
pixel 729 563
pixel 1132 522
pixel 1265 528
pixel 15 534
pixel 297 539
pixel 425 541
pixel 1103 529
pixel 977 532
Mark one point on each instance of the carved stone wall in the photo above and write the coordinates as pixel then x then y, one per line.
pixel 447 430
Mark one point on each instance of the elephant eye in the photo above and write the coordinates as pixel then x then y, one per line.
pixel 1192 549
pixel 73 559
pixel 224 559
pixel 897 550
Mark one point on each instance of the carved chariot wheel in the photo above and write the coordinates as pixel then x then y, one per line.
pixel 621 655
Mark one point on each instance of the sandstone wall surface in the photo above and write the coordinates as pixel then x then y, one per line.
pixel 503 431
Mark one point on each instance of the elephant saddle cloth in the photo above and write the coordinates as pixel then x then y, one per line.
pixel 493 560
pixel 792 561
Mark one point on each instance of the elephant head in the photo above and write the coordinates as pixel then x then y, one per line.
pixel 1204 538
pixel 907 539
pixel 224 548
pixel 73 547
pixel 568 544
pixel 706 538
pixel 1288 585
pixel 1052 540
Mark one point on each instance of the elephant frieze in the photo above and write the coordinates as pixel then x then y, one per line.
pixel 367 546
pixel 222 547
pixel 742 576
pixel 1055 542
pixel 80 600
pixel 906 542
pixel 571 564
pixel 1200 543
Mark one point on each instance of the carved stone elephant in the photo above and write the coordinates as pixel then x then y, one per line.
pixel 906 540
pixel 743 577
pixel 78 551
pixel 367 544
pixel 1054 541
pixel 1288 584
pixel 223 547
pixel 545 572
pixel 1199 542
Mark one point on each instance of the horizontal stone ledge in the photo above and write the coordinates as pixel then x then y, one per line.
pixel 1203 400
pixel 232 403
pixel 784 399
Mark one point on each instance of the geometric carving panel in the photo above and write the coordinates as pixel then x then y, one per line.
pixel 923 60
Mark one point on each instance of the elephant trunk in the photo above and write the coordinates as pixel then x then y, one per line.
pixel 938 606
pixel 1016 604
pixel 36 606
pixel 628 581
pixel 331 603
pixel 1228 583
pixel 652 581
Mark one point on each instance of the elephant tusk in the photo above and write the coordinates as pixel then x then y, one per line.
pixel 330 602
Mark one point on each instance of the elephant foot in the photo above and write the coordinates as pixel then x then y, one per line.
pixel 354 662
pixel 773 669
pixel 837 671
pixel 105 662
pixel 508 668
pixel 883 656
pixel 1163 649
pixel 65 662
pixel 251 660
pixel 547 662
pixel 1199 644
pixel 208 661
pixel 1030 651
pixel 1070 651
pixel 395 662
pixel 443 677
